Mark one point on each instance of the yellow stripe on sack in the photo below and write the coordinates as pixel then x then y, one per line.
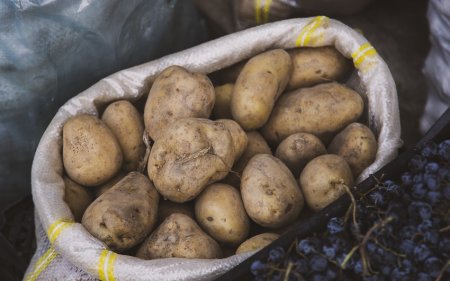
pixel 56 228
pixel 306 34
pixel 41 264
pixel 364 51
pixel 266 10
pixel 106 265
pixel 258 12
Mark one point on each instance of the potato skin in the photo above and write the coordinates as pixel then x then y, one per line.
pixel 257 242
pixel 357 145
pixel 167 208
pixel 298 149
pixel 271 195
pixel 256 144
pixel 179 236
pixel 191 154
pixel 312 66
pixel 177 93
pixel 77 197
pixel 124 215
pixel 323 179
pixel 238 136
pixel 321 110
pixel 91 152
pixel 128 126
pixel 222 103
pixel 99 190
pixel 220 212
pixel 260 83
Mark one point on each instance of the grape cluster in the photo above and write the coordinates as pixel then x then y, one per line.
pixel 399 231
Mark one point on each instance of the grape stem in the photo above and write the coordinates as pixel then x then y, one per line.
pixel 288 271
pixel 441 273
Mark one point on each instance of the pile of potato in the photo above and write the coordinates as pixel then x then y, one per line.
pixel 206 183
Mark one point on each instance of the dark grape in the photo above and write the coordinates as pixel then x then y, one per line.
pixel 258 267
pixel 318 263
pixel 418 191
pixel 276 255
pixel 432 167
pixel 301 266
pixel 424 277
pixel 432 181
pixel 421 252
pixel 433 266
pixel 444 150
pixel 335 225
pixel 417 163
pixel 306 247
pixel 429 150
pixel 407 179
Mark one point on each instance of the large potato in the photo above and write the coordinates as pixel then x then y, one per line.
pixel 271 195
pixel 322 111
pixel 222 108
pixel 91 152
pixel 177 93
pixel 312 66
pixel 257 242
pixel 323 180
pixel 127 125
pixel 260 83
pixel 191 154
pixel 124 215
pixel 220 212
pixel 357 145
pixel 256 145
pixel 167 207
pixel 238 136
pixel 298 149
pixel 77 197
pixel 179 237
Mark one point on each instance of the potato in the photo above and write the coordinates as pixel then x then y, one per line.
pixel 179 237
pixel 220 212
pixel 322 111
pixel 77 197
pixel 256 145
pixel 322 180
pixel 257 242
pixel 127 125
pixel 124 215
pixel 357 145
pixel 270 192
pixel 260 83
pixel 191 154
pixel 238 136
pixel 222 108
pixel 177 93
pixel 91 152
pixel 312 66
pixel 99 190
pixel 298 149
pixel 166 208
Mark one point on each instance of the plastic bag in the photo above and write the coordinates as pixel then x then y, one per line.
pixel 437 63
pixel 240 14
pixel 51 50
pixel 64 238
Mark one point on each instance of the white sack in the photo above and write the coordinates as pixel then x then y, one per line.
pixel 77 247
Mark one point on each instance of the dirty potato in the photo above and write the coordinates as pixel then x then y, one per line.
pixel 127 125
pixel 124 215
pixel 271 195
pixel 322 110
pixel 220 212
pixel 257 242
pixel 91 153
pixel 298 149
pixel 77 197
pixel 177 93
pixel 323 180
pixel 312 66
pixel 179 236
pixel 222 103
pixel 260 83
pixel 357 145
pixel 191 154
